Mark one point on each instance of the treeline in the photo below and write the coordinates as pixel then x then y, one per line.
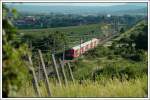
pixel 62 20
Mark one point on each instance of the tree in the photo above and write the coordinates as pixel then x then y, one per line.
pixel 141 40
pixel 135 40
pixel 58 40
pixel 14 66
pixel 122 30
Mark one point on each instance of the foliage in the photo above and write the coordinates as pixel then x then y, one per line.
pixel 133 42
pixel 99 51
pixel 122 30
pixel 120 71
pixel 14 66
pixel 54 41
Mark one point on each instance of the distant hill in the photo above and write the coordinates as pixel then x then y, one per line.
pixel 142 11
pixel 116 9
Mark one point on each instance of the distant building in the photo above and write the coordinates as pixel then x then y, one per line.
pixel 28 20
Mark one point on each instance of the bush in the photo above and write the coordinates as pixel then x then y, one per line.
pixel 139 56
pixel 99 51
pixel 110 57
pixel 120 71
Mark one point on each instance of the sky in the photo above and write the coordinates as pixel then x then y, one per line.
pixel 78 4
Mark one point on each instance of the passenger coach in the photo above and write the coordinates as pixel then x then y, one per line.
pixel 76 51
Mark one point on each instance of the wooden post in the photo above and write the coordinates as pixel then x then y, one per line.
pixel 63 71
pixel 70 71
pixel 55 66
pixel 45 73
pixel 34 76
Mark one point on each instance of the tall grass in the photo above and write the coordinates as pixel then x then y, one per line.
pixel 102 88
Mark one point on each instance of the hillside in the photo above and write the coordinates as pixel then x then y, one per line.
pixel 141 11
pixel 103 70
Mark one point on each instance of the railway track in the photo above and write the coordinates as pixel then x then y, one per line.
pixel 108 39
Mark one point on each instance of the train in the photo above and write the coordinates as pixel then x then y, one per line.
pixel 78 50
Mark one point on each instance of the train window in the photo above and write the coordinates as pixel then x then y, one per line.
pixel 82 49
pixel 95 43
pixel 71 51
pixel 77 52
pixel 91 44
pixel 86 47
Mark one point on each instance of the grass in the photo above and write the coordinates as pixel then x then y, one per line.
pixel 112 88
pixel 102 88
pixel 77 30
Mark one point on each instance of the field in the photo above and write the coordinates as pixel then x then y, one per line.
pixel 71 30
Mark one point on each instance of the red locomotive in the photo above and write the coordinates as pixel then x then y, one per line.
pixel 76 51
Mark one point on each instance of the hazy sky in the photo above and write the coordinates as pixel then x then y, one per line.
pixel 79 4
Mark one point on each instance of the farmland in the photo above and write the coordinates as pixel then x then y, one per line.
pixel 83 29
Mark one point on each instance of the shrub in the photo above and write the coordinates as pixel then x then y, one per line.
pixel 121 71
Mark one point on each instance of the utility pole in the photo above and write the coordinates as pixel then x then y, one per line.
pixel 116 25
